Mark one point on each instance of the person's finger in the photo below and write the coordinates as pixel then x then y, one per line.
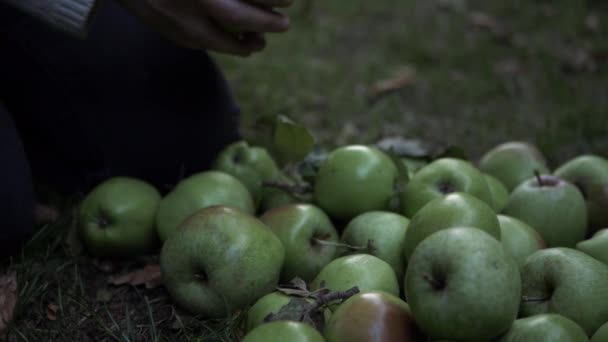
pixel 238 15
pixel 273 3
pixel 256 41
pixel 214 38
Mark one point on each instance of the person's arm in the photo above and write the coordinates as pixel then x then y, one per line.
pixel 71 16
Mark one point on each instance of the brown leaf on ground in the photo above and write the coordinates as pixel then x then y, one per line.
pixel 44 214
pixel 51 311
pixel 488 22
pixel 579 60
pixel 105 266
pixel 402 78
pixel 148 276
pixel 8 299
pixel 592 22
pixel 508 67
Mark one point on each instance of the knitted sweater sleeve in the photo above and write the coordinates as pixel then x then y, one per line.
pixel 71 16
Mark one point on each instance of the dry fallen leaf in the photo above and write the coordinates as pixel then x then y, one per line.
pixel 8 299
pixel 402 78
pixel 44 214
pixel 148 276
pixel 592 23
pixel 51 312
pixel 488 22
pixel 579 60
pixel 507 67
pixel 104 265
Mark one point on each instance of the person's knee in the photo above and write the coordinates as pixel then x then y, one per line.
pixel 16 196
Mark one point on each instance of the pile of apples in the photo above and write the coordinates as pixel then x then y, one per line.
pixel 381 248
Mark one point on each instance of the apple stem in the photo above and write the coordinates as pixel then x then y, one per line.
pixel 370 246
pixel 326 298
pixel 539 179
pixel 527 299
pixel 434 283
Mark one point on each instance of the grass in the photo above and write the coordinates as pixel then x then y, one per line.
pixel 471 88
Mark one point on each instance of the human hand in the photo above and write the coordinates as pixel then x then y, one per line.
pixel 207 24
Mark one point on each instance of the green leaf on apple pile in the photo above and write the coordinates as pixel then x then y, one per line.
pixel 300 310
pixel 287 141
pixel 291 142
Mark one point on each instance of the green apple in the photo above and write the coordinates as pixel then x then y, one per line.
pixel 220 259
pixel 308 236
pixel 353 180
pixel 117 218
pixel 590 174
pixel 442 177
pixel 553 207
pixel 601 335
pixel 372 316
pixel 513 162
pixel 597 246
pixel 386 230
pixel 566 282
pixel 250 164
pixel 500 194
pixel 284 331
pixel 519 239
pixel 453 210
pixel 461 285
pixel 362 270
pixel 201 190
pixel 271 303
pixel 544 328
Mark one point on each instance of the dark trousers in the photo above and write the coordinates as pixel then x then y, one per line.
pixel 122 102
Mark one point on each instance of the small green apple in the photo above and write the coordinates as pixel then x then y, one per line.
pixel 220 259
pixel 442 177
pixel 270 303
pixel 373 316
pixel 519 239
pixel 386 230
pixel 601 335
pixel 308 236
pixel 597 246
pixel 117 218
pixel 284 331
pixel 201 190
pixel 553 207
pixel 453 210
pixel 461 285
pixel 590 174
pixel 365 271
pixel 353 180
pixel 500 194
pixel 513 162
pixel 566 282
pixel 544 328
pixel 250 164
